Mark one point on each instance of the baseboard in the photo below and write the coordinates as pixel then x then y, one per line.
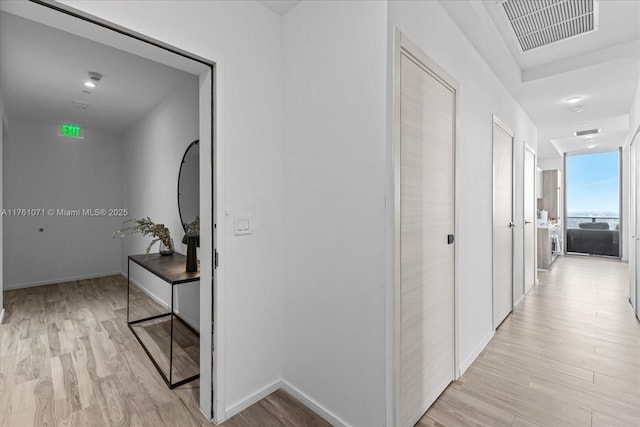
pixel 160 301
pixel 58 281
pixel 1 316
pixel 238 407
pixel 328 416
pixel 521 299
pixel 320 410
pixel 206 416
pixel 475 353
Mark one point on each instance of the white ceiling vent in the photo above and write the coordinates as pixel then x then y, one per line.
pixel 587 132
pixel 538 23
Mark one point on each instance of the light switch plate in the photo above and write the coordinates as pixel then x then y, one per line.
pixel 242 225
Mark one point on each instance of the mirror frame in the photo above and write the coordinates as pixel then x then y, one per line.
pixel 196 142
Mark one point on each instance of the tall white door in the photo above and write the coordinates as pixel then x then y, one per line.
pixel 424 250
pixel 529 219
pixel 634 221
pixel 502 221
pixel 633 226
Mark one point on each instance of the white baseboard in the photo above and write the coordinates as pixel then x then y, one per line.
pixel 320 410
pixel 328 416
pixel 160 301
pixel 207 416
pixel 238 407
pixel 521 299
pixel 60 280
pixel 475 353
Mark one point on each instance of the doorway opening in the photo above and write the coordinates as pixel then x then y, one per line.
pixel 593 200
pixel 202 74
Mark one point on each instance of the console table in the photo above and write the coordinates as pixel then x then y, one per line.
pixel 171 269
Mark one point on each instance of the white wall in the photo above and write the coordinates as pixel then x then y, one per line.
pixel 245 40
pixel 480 94
pixel 44 170
pixel 152 153
pixel 335 164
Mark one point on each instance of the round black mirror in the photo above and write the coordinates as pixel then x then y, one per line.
pixel 189 189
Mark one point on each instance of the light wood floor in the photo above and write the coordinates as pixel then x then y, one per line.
pixel 67 358
pixel 568 356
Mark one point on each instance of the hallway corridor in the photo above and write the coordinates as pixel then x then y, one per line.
pixel 569 355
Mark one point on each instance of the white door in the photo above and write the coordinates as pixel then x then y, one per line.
pixel 424 254
pixel 502 221
pixel 633 230
pixel 634 221
pixel 529 219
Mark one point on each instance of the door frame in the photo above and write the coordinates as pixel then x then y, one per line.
pixel 634 176
pixel 499 123
pixel 532 150
pixel 211 297
pixel 403 44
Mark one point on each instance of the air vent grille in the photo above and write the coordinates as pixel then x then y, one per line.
pixel 542 22
pixel 587 132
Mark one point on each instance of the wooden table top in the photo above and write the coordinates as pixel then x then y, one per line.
pixel 170 268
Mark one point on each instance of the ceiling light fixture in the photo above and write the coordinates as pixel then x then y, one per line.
pixel 89 84
pixel 591 145
pixel 574 99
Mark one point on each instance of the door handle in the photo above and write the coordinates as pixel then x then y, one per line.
pixel 527 222
pixel 512 225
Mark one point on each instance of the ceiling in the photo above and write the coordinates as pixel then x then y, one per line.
pixel 281 7
pixel 43 70
pixel 601 67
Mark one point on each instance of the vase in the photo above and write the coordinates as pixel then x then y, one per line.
pixel 165 250
pixel 192 255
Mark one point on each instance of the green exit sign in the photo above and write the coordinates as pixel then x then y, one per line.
pixel 70 130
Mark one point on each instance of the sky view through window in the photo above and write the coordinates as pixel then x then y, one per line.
pixel 593 184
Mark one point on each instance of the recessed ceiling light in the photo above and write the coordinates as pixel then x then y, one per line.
pixel 591 145
pixel 89 84
pixel 576 109
pixel 574 99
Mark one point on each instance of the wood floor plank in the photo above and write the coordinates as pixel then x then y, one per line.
pixel 44 410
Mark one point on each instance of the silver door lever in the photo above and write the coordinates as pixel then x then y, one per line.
pixel 512 225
